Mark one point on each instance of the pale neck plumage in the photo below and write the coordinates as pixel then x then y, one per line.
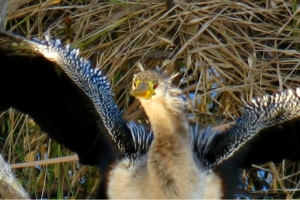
pixel 170 158
pixel 164 118
pixel 166 114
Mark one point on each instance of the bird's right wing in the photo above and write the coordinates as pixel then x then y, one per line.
pixel 71 101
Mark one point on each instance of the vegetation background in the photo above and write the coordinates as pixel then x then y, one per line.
pixel 224 51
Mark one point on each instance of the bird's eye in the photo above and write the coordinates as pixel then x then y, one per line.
pixel 134 83
pixel 154 86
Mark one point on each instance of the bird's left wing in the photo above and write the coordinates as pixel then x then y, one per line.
pixel 265 132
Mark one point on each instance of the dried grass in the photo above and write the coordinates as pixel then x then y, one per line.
pixel 224 51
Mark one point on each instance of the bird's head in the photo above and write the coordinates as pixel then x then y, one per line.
pixel 161 102
pixel 155 90
pixel 149 85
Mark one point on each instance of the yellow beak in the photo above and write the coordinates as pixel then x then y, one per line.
pixel 142 90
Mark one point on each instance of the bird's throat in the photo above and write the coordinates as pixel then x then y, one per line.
pixel 170 155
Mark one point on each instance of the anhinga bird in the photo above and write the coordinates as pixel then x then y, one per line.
pixel 76 108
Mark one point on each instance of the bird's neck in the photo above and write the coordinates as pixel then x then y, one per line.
pixel 170 155
pixel 167 117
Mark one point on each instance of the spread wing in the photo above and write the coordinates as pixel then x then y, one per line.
pixel 72 102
